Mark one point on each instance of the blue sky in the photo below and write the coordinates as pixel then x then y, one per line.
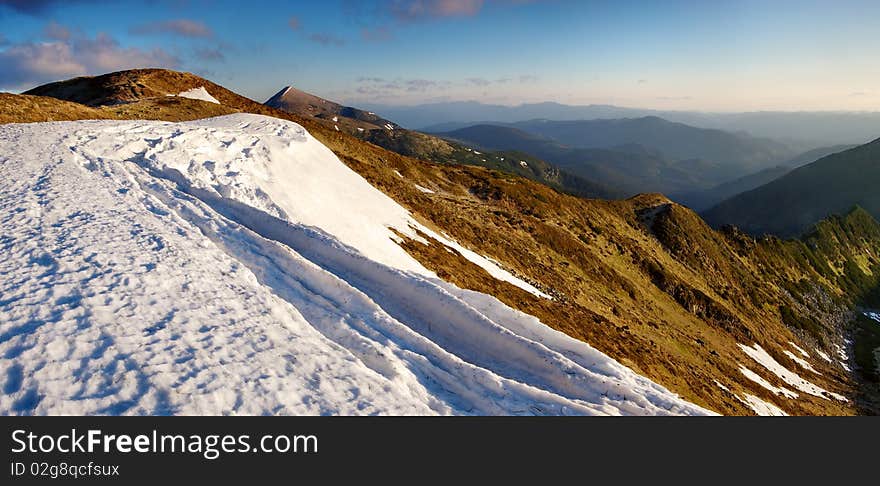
pixel 678 54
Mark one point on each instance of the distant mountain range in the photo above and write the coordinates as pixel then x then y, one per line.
pixel 792 204
pixel 636 155
pixel 630 169
pixel 731 152
pixel 370 127
pixel 806 129
pixel 706 198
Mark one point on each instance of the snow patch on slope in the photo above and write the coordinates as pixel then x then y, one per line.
pixel 803 363
pixel 486 264
pixel 762 407
pixel 199 93
pixel 766 384
pixel 799 350
pixel 183 268
pixel 758 354
pixel 759 406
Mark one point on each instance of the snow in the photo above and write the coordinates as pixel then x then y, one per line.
pixel 759 406
pixel 824 356
pixel 360 129
pixel 336 127
pixel 758 354
pixel 766 384
pixel 874 315
pixel 799 350
pixel 804 364
pixel 398 174
pixel 335 119
pixel 762 407
pixel 199 93
pixel 423 189
pixel 523 163
pixel 843 357
pixel 235 266
pixel 486 264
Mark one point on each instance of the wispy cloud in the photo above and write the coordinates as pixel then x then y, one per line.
pixel 26 64
pixel 416 10
pixel 411 10
pixel 56 31
pixel 37 7
pixel 180 27
pixel 326 39
pixel 414 85
pixel 210 54
pixel 379 19
pixel 400 85
pixel 478 81
pixel 378 34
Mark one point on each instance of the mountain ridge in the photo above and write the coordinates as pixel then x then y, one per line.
pixel 643 280
pixel 806 129
pixel 831 185
pixel 370 127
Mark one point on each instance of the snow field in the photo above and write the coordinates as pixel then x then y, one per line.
pixel 235 266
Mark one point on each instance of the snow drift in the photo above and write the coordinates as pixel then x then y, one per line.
pixel 235 266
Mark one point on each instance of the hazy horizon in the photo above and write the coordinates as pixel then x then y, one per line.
pixel 682 55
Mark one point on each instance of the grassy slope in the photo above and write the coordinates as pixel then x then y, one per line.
pixel 644 280
pixel 28 108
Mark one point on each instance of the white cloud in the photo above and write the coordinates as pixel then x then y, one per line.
pixel 27 64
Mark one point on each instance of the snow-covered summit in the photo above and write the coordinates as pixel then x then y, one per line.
pixel 235 266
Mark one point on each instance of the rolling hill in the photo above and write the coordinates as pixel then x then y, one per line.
pixel 707 198
pixel 630 168
pixel 792 204
pixel 735 154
